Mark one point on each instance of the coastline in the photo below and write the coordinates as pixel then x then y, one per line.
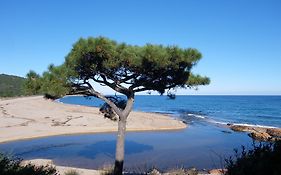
pixel 34 117
pixel 264 134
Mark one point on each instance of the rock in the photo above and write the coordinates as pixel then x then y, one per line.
pixel 191 171
pixel 275 132
pixel 154 172
pixel 217 171
pixel 261 136
pixel 241 128
pixel 175 172
pixel 227 132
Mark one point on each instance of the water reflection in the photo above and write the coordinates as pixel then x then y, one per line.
pixel 108 148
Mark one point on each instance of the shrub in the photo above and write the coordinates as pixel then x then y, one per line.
pixel 263 159
pixel 12 166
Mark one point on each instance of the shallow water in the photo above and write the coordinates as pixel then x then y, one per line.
pixel 200 145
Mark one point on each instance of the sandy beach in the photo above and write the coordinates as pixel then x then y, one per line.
pixel 62 169
pixel 32 117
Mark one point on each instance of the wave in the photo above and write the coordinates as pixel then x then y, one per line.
pixel 253 125
pixel 199 117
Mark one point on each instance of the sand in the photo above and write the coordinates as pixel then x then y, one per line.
pixel 61 169
pixel 33 117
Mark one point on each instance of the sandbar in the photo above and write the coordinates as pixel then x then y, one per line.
pixel 33 117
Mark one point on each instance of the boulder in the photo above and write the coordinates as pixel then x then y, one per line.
pixel 275 132
pixel 261 136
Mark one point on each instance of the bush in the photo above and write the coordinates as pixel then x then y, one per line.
pixel 12 166
pixel 263 159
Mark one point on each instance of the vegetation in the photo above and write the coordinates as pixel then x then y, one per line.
pixel 53 83
pixel 11 85
pixel 32 85
pixel 263 159
pixel 127 70
pixel 12 166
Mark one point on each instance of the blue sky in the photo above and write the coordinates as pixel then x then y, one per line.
pixel 240 39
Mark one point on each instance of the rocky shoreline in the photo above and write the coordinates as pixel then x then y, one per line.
pixel 190 171
pixel 258 133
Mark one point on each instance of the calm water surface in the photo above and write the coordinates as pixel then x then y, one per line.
pixel 201 146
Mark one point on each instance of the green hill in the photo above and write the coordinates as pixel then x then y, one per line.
pixel 11 85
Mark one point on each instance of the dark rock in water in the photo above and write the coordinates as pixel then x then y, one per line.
pixel 260 136
pixel 171 96
pixel 227 132
pixel 185 122
pixel 274 132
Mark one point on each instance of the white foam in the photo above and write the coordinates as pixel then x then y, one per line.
pixel 253 125
pixel 197 116
pixel 226 123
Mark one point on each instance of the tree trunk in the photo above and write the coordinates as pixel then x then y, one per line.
pixel 120 146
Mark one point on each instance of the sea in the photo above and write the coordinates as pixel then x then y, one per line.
pixel 204 144
pixel 245 110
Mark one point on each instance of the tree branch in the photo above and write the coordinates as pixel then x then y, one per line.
pixel 116 87
pixel 102 97
pixel 129 105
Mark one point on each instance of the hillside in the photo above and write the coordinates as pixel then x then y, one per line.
pixel 11 85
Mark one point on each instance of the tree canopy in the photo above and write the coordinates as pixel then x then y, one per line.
pixel 126 68
pixel 33 83
pixel 53 83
